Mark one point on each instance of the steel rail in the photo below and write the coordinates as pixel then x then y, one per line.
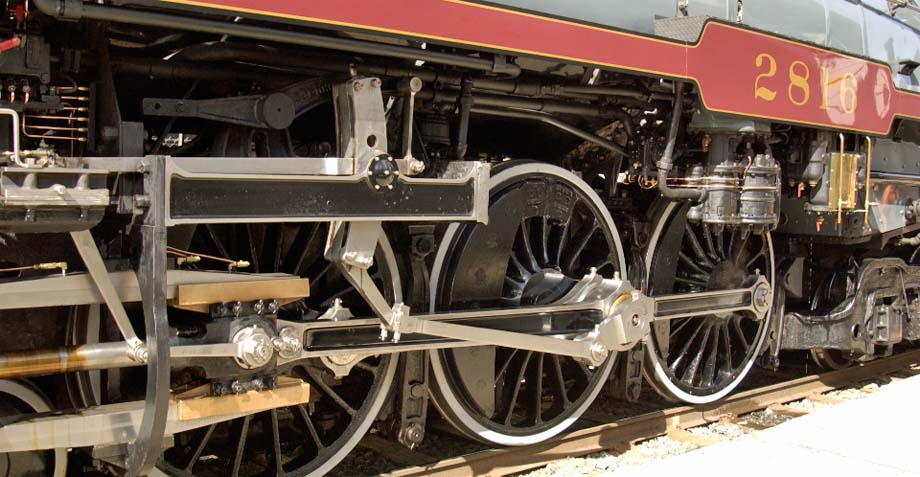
pixel 497 462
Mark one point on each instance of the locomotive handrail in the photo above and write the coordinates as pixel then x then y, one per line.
pixel 76 9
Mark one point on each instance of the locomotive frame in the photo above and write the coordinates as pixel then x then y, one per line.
pixel 454 259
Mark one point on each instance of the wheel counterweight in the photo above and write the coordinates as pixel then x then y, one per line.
pixel 312 438
pixel 546 229
pixel 701 359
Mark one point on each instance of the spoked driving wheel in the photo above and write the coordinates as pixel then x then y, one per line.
pixel 18 398
pixel 546 230
pixel 700 359
pixel 308 439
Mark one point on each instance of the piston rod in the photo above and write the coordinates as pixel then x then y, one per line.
pixel 64 360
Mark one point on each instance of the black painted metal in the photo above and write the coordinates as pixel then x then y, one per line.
pixel 204 200
pixel 705 354
pixel 547 119
pixel 76 9
pixel 542 236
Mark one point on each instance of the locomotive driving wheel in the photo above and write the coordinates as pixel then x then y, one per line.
pixel 701 359
pixel 308 439
pixel 546 230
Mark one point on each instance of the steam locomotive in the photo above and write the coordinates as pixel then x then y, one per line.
pixel 235 235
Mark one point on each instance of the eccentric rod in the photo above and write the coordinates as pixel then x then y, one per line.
pixel 76 9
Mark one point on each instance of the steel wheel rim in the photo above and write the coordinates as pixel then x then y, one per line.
pixel 335 450
pixel 32 398
pixel 451 402
pixel 658 370
pixel 303 244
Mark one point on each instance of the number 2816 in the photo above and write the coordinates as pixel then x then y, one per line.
pixel 798 87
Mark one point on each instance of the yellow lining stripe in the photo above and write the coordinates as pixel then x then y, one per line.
pixel 706 26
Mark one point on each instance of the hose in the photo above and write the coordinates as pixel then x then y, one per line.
pixel 665 164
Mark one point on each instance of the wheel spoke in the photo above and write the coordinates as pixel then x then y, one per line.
pixel 694 365
pixel 240 446
pixel 709 369
pixel 311 429
pixel 563 238
pixel 697 248
pixel 544 237
pixel 276 434
pixel 198 450
pixel 579 246
pixel 683 324
pixel 727 365
pixel 707 239
pixel 522 271
pixel 762 252
pixel 720 244
pixel 321 273
pixel 736 323
pixel 271 247
pixel 690 281
pixel 367 367
pixel 218 243
pixel 318 381
pixel 302 264
pixel 560 380
pixel 517 388
pixel 338 294
pixel 504 367
pixel 253 254
pixel 683 351
pixel 684 259
pixel 538 390
pixel 534 392
pixel 529 258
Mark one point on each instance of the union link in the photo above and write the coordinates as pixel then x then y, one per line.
pixel 625 313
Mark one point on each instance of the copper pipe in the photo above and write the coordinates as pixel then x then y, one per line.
pixel 59 118
pixel 59 128
pixel 62 360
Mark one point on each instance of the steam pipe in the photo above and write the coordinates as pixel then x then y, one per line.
pixel 76 9
pixel 545 118
pixel 665 164
pixel 265 55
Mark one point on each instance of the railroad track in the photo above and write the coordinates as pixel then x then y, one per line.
pixel 670 421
